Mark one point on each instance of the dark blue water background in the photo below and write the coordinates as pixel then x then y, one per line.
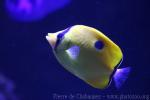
pixel 27 59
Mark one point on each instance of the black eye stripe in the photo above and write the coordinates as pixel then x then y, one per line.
pixel 60 37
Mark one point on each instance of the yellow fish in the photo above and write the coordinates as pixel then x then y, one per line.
pixel 90 55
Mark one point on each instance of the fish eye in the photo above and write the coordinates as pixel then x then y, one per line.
pixel 99 45
pixel 59 39
pixel 59 36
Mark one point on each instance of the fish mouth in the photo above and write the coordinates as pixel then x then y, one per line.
pixel 51 38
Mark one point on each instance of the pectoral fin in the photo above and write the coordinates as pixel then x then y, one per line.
pixel 73 52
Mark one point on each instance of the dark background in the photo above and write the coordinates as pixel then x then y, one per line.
pixel 27 59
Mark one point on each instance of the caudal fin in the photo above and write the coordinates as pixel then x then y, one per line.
pixel 121 75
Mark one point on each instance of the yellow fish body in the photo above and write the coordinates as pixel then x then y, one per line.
pixel 88 54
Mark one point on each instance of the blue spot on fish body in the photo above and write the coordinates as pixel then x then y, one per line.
pixel 99 45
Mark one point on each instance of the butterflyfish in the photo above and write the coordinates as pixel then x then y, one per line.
pixel 90 55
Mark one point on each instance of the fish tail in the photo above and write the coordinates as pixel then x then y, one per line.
pixel 121 76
